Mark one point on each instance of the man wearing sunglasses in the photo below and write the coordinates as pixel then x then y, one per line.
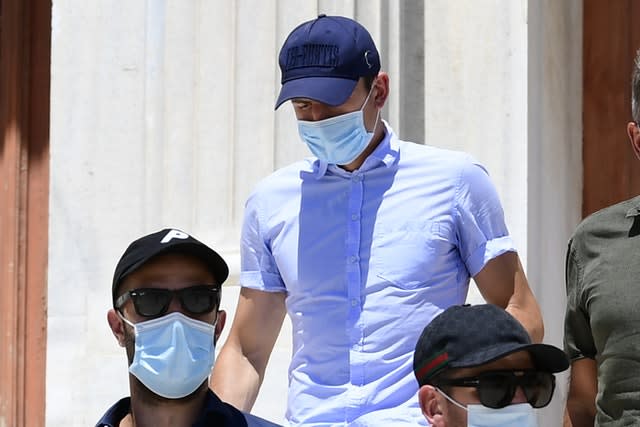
pixel 476 366
pixel 166 298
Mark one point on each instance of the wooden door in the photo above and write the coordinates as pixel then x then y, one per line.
pixel 25 29
pixel 611 38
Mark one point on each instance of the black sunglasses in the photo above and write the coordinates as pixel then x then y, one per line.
pixel 497 388
pixel 154 302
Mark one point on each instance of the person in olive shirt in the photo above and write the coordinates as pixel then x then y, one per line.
pixel 602 322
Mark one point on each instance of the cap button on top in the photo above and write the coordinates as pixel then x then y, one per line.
pixel 322 15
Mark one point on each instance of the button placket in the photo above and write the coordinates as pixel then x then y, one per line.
pixel 354 282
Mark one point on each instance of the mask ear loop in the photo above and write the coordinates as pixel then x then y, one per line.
pixel 373 85
pixel 368 96
pixel 376 122
pixel 128 322
pixel 450 399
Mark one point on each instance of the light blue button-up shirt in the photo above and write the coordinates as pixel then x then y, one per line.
pixel 367 258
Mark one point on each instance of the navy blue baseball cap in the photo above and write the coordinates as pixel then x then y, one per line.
pixel 324 58
pixel 169 240
pixel 466 336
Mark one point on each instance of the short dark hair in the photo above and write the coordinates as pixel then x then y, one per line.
pixel 437 378
pixel 368 81
pixel 635 89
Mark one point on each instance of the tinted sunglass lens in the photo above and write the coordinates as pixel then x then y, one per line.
pixel 495 390
pixel 199 300
pixel 538 388
pixel 151 302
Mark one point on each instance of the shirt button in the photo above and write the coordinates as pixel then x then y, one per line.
pixel 354 302
pixel 357 178
pixel 353 259
pixel 354 217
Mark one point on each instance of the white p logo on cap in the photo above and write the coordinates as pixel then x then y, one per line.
pixel 174 234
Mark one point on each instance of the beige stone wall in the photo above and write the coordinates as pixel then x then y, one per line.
pixel 162 115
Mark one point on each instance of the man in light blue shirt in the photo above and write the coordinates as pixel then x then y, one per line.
pixel 362 245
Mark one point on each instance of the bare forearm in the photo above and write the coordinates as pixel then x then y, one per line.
pixel 530 317
pixel 583 388
pixel 239 371
pixel 502 282
pixel 581 408
pixel 580 416
pixel 566 420
pixel 235 380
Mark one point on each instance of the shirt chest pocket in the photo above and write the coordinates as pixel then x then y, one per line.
pixel 411 255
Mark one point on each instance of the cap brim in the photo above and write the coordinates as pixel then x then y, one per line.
pixel 545 357
pixel 549 358
pixel 328 90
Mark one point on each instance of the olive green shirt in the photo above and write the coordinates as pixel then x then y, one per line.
pixel 602 320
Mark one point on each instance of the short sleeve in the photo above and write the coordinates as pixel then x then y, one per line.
pixel 578 339
pixel 258 268
pixel 481 230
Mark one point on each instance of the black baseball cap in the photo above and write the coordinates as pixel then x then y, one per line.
pixel 324 58
pixel 162 242
pixel 465 336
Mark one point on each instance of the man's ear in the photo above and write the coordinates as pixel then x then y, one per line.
pixel 222 319
pixel 427 395
pixel 117 326
pixel 633 130
pixel 381 84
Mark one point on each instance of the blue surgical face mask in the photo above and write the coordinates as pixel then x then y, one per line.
pixel 174 354
pixel 338 140
pixel 516 415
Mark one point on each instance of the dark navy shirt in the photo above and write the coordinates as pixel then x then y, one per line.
pixel 214 413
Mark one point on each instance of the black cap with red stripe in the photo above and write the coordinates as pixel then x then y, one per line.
pixel 466 336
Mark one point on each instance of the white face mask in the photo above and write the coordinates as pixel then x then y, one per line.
pixel 516 415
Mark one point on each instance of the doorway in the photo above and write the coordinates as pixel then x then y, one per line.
pixel 25 51
pixel 611 172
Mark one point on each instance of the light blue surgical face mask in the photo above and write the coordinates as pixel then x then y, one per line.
pixel 338 140
pixel 516 415
pixel 174 354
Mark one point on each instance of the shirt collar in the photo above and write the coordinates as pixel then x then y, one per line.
pixel 213 408
pixel 116 413
pixel 635 209
pixel 386 153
